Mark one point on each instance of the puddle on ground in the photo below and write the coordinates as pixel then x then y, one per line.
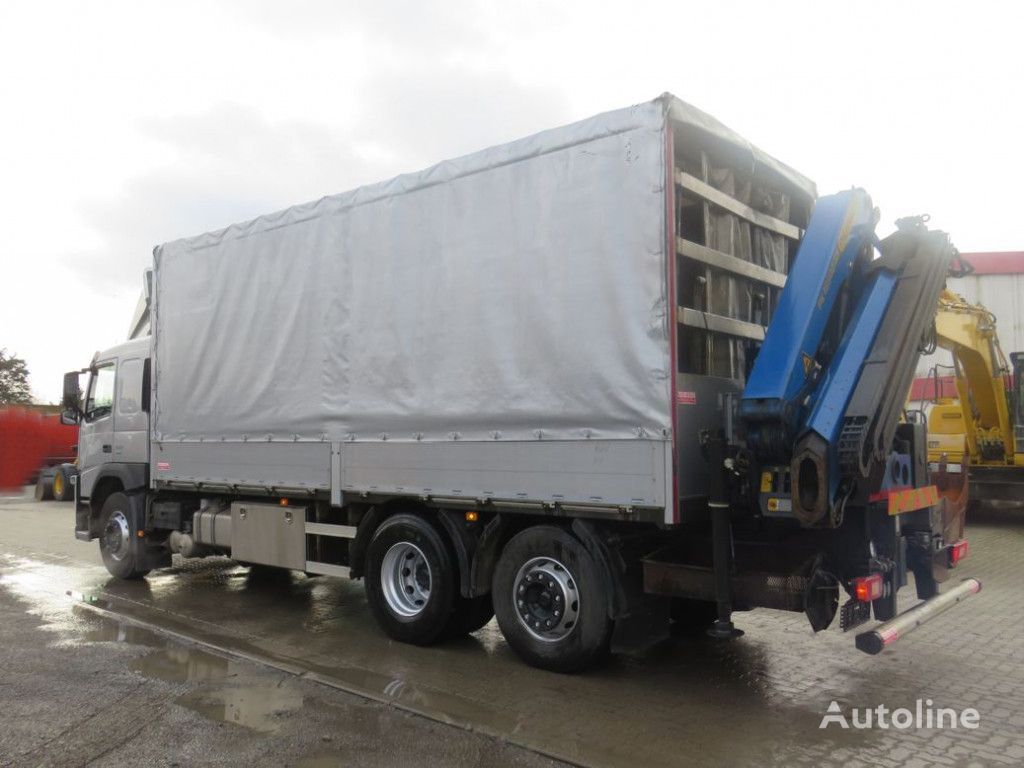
pixel 102 630
pixel 225 691
pixel 224 694
pixel 257 707
pixel 182 664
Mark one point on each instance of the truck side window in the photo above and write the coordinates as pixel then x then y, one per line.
pixel 129 387
pixel 100 398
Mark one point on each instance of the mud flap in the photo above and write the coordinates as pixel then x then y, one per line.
pixel 83 519
pixel 150 553
pixel 646 625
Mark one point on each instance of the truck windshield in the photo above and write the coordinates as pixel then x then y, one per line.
pixel 100 399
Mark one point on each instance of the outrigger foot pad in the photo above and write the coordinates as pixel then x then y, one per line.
pixel 724 630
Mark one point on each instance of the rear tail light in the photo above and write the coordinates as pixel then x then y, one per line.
pixel 867 588
pixel 957 551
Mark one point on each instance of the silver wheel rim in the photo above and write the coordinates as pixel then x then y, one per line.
pixel 405 578
pixel 116 536
pixel 547 599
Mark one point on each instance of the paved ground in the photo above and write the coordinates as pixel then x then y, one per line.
pixel 756 701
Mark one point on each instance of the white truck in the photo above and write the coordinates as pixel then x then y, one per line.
pixel 507 384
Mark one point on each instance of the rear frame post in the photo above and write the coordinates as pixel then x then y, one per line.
pixel 721 537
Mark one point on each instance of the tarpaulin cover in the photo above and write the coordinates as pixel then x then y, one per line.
pixel 515 293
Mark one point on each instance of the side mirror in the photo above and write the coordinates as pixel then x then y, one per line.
pixel 71 402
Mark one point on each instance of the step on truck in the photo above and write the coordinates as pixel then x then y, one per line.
pixel 617 375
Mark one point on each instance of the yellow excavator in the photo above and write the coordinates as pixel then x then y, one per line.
pixel 976 442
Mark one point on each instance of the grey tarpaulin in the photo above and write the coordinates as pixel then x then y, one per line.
pixel 515 293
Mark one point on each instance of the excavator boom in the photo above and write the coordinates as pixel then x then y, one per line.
pixel 968 331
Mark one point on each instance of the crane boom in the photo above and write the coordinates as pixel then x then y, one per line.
pixel 827 389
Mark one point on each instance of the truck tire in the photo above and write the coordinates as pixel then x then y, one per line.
pixel 550 600
pixel 469 615
pixel 44 486
pixel 118 546
pixel 62 489
pixel 410 580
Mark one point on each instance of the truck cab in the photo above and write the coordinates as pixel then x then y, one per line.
pixel 112 411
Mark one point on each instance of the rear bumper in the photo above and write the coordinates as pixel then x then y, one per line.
pixel 878 639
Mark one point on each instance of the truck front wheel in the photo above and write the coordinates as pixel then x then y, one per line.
pixel 117 538
pixel 550 600
pixel 410 580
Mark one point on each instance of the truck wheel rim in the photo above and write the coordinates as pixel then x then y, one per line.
pixel 116 536
pixel 405 577
pixel 547 599
pixel 58 485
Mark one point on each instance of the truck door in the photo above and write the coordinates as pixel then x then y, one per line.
pixel 96 433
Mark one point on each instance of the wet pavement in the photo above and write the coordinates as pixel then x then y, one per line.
pixel 693 701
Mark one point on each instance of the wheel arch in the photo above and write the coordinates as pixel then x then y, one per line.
pixel 369 523
pixel 114 478
pixel 598 542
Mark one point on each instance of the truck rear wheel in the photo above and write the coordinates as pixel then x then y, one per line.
pixel 410 580
pixel 117 539
pixel 44 486
pixel 550 600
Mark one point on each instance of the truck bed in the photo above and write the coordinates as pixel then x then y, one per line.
pixel 501 326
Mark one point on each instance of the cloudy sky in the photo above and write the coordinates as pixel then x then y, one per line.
pixel 126 124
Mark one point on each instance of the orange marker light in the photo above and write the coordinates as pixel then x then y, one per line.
pixel 284 502
pixel 472 517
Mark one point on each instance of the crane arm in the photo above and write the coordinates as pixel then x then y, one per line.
pixel 827 388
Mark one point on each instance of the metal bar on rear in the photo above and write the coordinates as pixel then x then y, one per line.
pixel 729 263
pixel 732 205
pixel 708 321
pixel 876 640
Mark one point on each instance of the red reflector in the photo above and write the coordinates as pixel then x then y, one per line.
pixel 957 551
pixel 889 636
pixel 867 588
